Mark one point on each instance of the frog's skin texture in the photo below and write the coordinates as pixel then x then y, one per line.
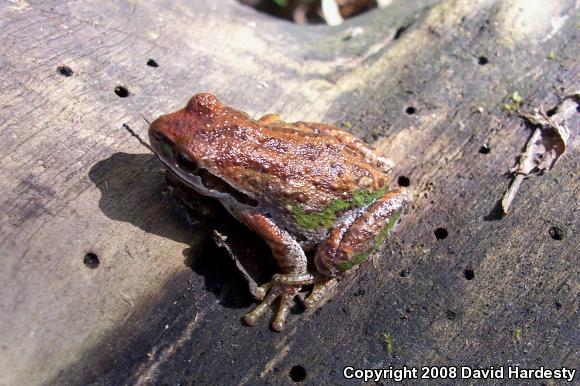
pixel 299 186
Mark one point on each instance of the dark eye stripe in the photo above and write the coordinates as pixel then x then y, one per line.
pixel 162 138
pixel 159 136
pixel 186 163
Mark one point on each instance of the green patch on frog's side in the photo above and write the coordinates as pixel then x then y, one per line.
pixel 322 219
pixel 325 218
pixel 379 238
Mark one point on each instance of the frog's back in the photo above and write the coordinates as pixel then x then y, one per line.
pixel 287 164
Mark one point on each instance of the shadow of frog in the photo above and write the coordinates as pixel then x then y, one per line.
pixel 133 190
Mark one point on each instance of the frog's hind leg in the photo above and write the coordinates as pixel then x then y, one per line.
pixel 348 245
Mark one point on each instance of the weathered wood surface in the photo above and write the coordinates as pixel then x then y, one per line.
pixel 72 181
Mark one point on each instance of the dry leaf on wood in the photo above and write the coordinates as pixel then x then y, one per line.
pixel 549 141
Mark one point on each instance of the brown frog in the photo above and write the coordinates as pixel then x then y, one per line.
pixel 300 186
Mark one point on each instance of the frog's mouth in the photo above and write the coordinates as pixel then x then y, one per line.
pixel 199 178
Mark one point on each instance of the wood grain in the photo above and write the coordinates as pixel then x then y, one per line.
pixel 426 82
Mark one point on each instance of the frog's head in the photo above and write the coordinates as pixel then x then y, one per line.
pixel 170 135
pixel 183 142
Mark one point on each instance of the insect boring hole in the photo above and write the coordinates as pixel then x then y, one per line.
pixel 311 12
pixel 403 181
pixel 297 373
pixel 411 110
pixel 556 233
pixel 441 233
pixel 152 63
pixel 121 91
pixel 484 149
pixel 91 260
pixel 65 71
pixel 450 315
pixel 468 274
pixel 482 60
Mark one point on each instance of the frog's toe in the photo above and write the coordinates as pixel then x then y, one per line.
pixel 262 290
pixel 286 294
pixel 285 303
pixel 320 293
pixel 252 317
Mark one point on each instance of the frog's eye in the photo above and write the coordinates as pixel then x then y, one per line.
pixel 159 135
pixel 185 162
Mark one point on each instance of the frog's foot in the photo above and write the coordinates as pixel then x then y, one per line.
pixel 285 287
pixel 286 293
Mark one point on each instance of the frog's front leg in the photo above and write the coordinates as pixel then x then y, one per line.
pixel 292 262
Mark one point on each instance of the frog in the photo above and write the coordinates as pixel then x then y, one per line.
pixel 316 194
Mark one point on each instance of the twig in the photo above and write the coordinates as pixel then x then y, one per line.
pixel 141 141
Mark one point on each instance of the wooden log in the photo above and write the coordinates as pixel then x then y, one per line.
pixel 426 82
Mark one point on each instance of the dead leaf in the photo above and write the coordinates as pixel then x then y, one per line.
pixel 548 142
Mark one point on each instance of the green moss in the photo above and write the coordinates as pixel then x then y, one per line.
pixel 517 98
pixel 518 334
pixel 388 340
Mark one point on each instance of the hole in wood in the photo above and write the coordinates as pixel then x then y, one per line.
pixel 309 12
pixel 469 274
pixel 482 60
pixel 556 233
pixel 297 373
pixel 557 304
pixel 91 260
pixel 552 111
pixel 484 149
pixel 450 314
pixel 410 110
pixel 403 181
pixel 400 32
pixel 121 91
pixel 65 71
pixel 152 63
pixel 441 233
